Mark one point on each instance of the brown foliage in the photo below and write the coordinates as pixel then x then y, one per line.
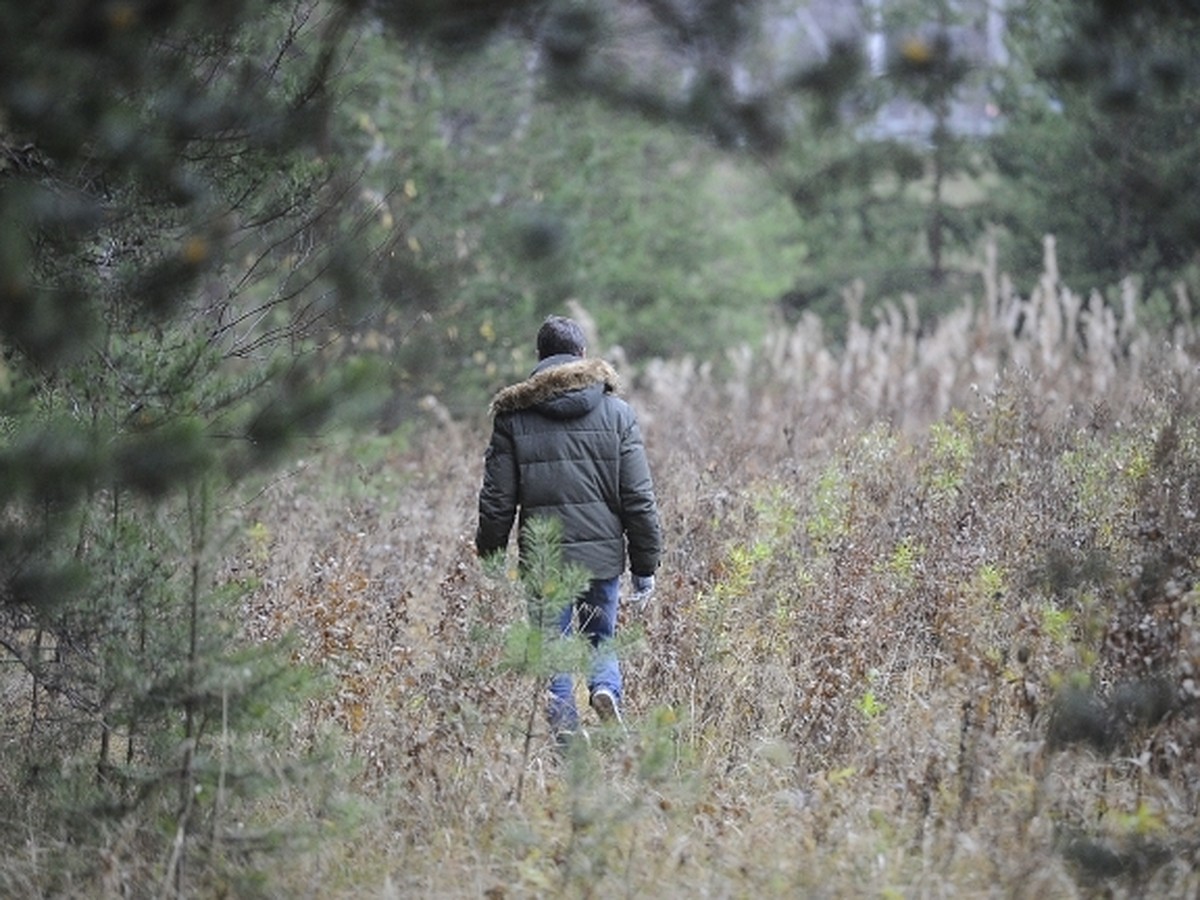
pixel 926 624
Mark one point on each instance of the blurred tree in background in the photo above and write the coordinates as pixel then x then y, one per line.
pixel 180 257
pixel 892 156
pixel 521 196
pixel 1100 147
pixel 898 130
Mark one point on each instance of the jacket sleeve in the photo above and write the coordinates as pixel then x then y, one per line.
pixel 499 494
pixel 639 509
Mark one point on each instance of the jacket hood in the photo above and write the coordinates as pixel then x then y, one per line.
pixel 562 387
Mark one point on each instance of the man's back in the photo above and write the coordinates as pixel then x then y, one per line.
pixel 564 445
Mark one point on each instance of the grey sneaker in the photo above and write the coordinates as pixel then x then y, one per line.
pixel 604 702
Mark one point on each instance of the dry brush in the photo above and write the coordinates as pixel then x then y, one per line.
pixel 926 625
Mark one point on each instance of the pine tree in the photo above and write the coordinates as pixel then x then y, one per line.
pixel 535 648
pixel 1104 100
pixel 177 251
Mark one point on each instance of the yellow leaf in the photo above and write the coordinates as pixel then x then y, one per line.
pixel 356 715
pixel 840 776
pixel 195 250
pixel 122 16
pixel 916 50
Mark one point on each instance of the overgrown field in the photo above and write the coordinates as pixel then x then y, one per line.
pixel 927 626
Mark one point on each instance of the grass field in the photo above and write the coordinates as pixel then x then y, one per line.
pixel 926 626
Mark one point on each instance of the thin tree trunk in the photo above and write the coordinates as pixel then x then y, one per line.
pixel 937 222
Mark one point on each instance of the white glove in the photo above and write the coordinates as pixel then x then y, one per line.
pixel 643 591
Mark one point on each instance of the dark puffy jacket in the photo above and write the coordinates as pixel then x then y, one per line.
pixel 564 445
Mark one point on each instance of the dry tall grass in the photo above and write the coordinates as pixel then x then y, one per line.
pixel 926 626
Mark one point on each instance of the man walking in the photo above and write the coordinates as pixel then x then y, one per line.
pixel 564 445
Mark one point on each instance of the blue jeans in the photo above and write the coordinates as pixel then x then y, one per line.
pixel 596 609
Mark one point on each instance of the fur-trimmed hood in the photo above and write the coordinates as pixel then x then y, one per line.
pixel 553 380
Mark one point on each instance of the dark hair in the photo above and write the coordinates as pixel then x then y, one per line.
pixel 559 334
